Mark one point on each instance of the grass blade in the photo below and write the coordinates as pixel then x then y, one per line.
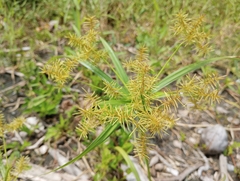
pixel 129 162
pixel 121 73
pixel 101 74
pixel 99 140
pixel 97 71
pixel 185 70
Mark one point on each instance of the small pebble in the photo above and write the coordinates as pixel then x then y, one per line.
pixel 153 160
pixel 43 149
pixel 238 156
pixel 216 175
pixel 183 113
pixel 23 134
pixel 159 167
pixel 230 167
pixel 238 165
pixel 230 119
pixel 233 121
pixel 236 121
pixel 221 110
pixel 34 124
pixel 178 151
pixel 153 171
pixel 32 120
pixel 172 171
pixel 193 140
pixel 177 144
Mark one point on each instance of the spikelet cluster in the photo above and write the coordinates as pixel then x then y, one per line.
pixel 201 91
pixel 91 114
pixel 142 146
pixel 191 33
pixel 86 45
pixel 22 164
pixel 10 171
pixel 16 124
pixel 59 70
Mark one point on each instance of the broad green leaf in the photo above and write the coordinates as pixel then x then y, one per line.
pixel 185 70
pixel 120 72
pixel 99 140
pixel 129 162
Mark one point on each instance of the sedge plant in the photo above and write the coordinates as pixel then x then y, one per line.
pixel 138 101
pixel 11 167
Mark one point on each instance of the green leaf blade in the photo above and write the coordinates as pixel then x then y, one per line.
pixel 185 70
pixel 102 75
pixel 97 71
pixel 99 140
pixel 129 162
pixel 121 73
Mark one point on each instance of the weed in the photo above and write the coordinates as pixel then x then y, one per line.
pixel 63 126
pixel 42 97
pixel 182 136
pixel 138 102
pixel 237 171
pixel 229 149
pixel 109 165
pixel 11 167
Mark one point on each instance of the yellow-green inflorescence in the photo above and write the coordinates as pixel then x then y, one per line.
pixel 191 33
pixel 136 109
pixel 12 168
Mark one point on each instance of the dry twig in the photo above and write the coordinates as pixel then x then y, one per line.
pixel 184 174
pixel 204 125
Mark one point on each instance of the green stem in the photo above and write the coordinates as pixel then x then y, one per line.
pixel 5 154
pixel 148 169
pixel 5 149
pixel 175 51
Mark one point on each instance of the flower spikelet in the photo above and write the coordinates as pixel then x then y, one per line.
pixel 124 116
pixel 142 146
pixel 21 165
pixel 157 121
pixel 170 100
pixel 201 91
pixel 90 23
pixel 191 33
pixel 90 115
pixel 59 70
pixel 111 89
pixel 15 124
pixel 87 44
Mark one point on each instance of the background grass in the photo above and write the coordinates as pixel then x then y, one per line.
pixel 129 23
pixel 31 32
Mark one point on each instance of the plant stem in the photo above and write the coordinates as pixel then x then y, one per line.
pixel 159 73
pixel 148 169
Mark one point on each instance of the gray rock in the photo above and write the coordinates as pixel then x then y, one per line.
pixel 214 139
